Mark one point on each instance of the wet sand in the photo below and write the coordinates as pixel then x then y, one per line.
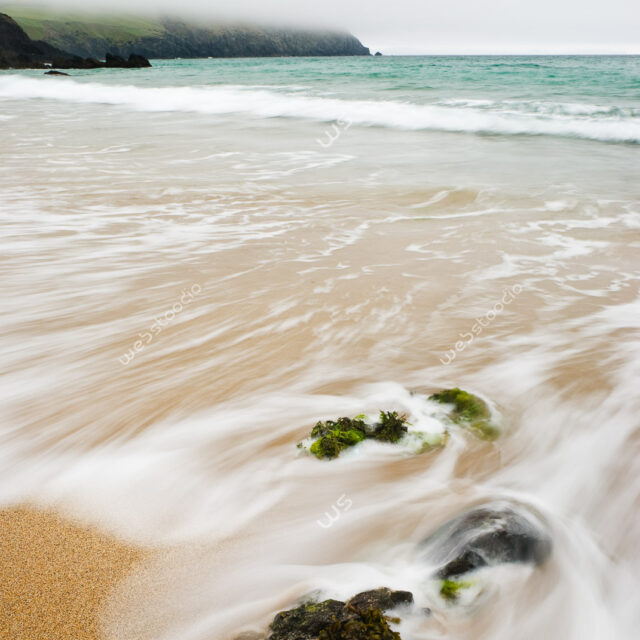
pixel 56 575
pixel 332 282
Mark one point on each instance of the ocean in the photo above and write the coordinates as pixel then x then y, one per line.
pixel 203 259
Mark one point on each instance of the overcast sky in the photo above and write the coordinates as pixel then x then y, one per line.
pixel 436 26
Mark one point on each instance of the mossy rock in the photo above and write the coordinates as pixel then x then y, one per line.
pixel 371 624
pixel 336 435
pixel 333 436
pixel 361 618
pixel 383 598
pixel 469 411
pixel 390 427
pixel 306 621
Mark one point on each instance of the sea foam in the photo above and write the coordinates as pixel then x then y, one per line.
pixel 457 116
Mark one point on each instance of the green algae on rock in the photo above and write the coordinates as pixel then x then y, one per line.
pixel 333 436
pixel 390 428
pixel 360 618
pixel 469 411
pixel 368 625
pixel 450 589
pixel 306 621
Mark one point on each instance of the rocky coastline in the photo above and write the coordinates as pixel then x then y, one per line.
pixel 19 51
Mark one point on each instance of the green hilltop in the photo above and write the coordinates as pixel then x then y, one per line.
pixel 92 35
pixel 40 22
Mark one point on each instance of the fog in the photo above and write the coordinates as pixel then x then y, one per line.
pixel 430 26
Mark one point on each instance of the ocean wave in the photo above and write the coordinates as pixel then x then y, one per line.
pixel 546 108
pixel 481 118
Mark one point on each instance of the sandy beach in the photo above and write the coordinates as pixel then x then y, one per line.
pixel 56 575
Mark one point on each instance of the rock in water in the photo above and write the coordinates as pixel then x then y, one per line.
pixel 367 625
pixel 136 61
pixel 361 617
pixel 382 598
pixel 114 61
pixel 493 534
pixel 55 73
pixel 307 621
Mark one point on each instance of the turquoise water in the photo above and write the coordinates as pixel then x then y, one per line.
pixel 420 78
pixel 591 97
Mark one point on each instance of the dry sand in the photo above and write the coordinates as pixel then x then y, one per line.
pixel 56 575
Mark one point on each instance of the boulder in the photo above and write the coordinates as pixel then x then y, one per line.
pixel 114 61
pixel 468 411
pixel 367 625
pixel 489 535
pixel 136 61
pixel 308 620
pixel 360 617
pixel 55 73
pixel 382 598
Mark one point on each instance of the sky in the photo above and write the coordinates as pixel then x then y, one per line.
pixel 433 26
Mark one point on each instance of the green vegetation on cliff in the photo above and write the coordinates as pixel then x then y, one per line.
pixel 92 35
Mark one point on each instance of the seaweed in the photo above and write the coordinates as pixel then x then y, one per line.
pixel 331 444
pixel 390 428
pixel 469 411
pixel 333 436
pixel 371 624
pixel 450 589
pixel 341 424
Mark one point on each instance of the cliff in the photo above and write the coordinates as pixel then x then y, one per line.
pixel 90 36
pixel 19 51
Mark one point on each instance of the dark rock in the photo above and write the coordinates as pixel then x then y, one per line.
pixel 92 63
pixel 368 625
pixel 55 73
pixel 114 61
pixel 307 621
pixel 137 62
pixel 489 535
pixel 378 53
pixel 382 598
pixel 334 619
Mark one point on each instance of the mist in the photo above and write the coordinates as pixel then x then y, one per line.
pixel 427 26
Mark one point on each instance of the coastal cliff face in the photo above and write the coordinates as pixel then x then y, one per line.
pixel 19 51
pixel 91 36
